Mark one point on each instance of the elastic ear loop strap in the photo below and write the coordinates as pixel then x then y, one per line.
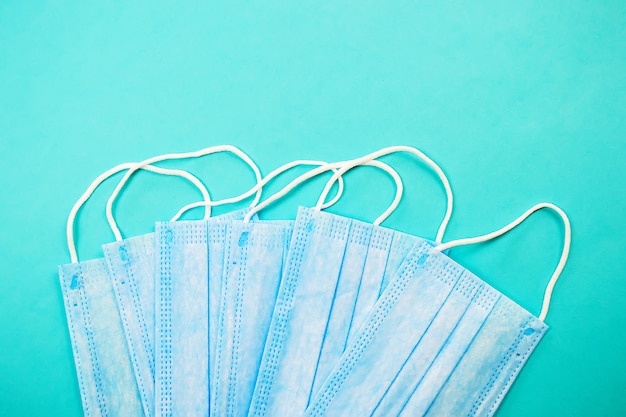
pixel 564 254
pixel 385 167
pixel 275 173
pixel 424 158
pixel 185 155
pixel 105 175
pixel 359 161
pixel 317 171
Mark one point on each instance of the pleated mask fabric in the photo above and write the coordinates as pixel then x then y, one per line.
pixel 138 331
pixel 131 266
pixel 253 261
pixel 105 374
pixel 106 379
pixel 188 254
pixel 254 258
pixel 326 264
pixel 439 342
pixel 336 269
pixel 217 232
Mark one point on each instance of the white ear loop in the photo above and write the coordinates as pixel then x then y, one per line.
pixel 564 254
pixel 185 155
pixel 278 171
pixel 317 171
pixel 423 157
pixel 102 177
pixel 178 173
pixel 378 164
pixel 399 190
pixel 345 165
pixel 293 184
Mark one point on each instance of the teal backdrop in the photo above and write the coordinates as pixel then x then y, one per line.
pixel 519 101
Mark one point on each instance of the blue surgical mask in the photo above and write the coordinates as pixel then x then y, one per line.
pixel 131 264
pixel 106 379
pixel 218 237
pixel 328 260
pixel 189 253
pixel 367 267
pixel 253 261
pixel 131 267
pixel 254 257
pixel 439 342
pixel 226 354
pixel 105 374
pixel 134 276
pixel 336 270
pixel 253 264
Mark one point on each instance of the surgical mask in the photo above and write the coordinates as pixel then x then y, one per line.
pixel 131 264
pixel 254 258
pixel 105 375
pixel 217 234
pixel 185 256
pixel 336 266
pixel 439 341
pixel 253 262
pixel 189 262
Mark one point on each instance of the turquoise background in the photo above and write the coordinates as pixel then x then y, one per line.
pixel 520 102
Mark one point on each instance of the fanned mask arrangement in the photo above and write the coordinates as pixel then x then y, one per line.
pixel 323 315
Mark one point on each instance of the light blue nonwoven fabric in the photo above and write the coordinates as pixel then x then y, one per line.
pixel 439 342
pixel 105 373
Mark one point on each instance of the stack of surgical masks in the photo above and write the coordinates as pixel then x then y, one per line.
pixel 323 315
